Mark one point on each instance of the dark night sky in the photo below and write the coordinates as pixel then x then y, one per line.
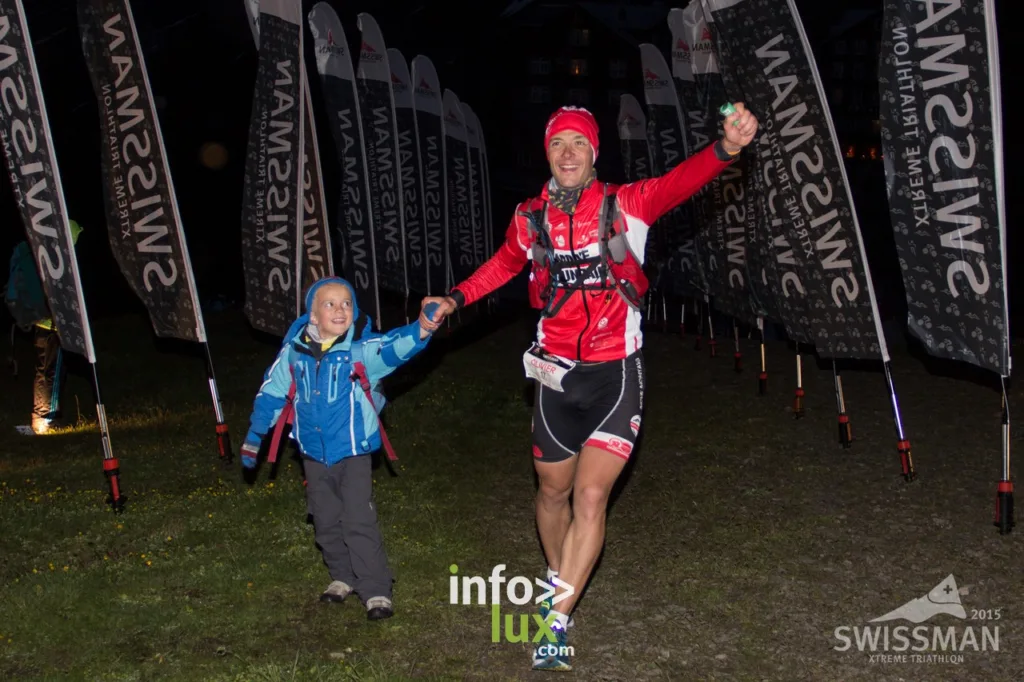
pixel 202 61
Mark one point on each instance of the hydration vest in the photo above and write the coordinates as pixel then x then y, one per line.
pixel 623 272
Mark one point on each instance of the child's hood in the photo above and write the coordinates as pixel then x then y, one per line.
pixel 300 324
pixel 332 280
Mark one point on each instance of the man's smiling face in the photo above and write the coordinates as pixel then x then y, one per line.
pixel 571 158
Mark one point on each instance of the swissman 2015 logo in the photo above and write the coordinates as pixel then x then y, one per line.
pixel 939 642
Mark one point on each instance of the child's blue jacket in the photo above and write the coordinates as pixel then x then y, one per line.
pixel 333 418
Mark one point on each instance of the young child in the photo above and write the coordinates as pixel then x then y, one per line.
pixel 336 429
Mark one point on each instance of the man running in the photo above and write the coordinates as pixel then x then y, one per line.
pixel 586 241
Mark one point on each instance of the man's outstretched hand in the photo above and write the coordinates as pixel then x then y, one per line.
pixel 739 128
pixel 446 305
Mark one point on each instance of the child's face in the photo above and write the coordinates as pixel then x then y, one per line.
pixel 332 310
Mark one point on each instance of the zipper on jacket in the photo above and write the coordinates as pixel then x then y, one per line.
pixel 323 443
pixel 352 418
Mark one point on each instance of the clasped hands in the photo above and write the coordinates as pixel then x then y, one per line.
pixel 446 305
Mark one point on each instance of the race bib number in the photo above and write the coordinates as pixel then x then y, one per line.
pixel 547 369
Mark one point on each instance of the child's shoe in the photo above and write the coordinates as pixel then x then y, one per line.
pixel 336 592
pixel 379 608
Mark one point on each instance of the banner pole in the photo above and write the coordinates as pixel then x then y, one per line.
pixel 738 363
pixel 1004 490
pixel 66 300
pixel 487 218
pixel 664 312
pixel 223 435
pixel 902 444
pixel 712 343
pixel 111 468
pixel 798 398
pixel 762 379
pixel 845 432
pixel 220 428
pixel 1004 493
pixel 698 312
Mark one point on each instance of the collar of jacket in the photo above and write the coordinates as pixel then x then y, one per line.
pixel 551 190
pixel 305 343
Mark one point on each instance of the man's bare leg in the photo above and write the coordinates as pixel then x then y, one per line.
pixel 596 473
pixel 553 510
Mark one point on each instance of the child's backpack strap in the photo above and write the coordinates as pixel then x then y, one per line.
pixel 287 416
pixel 377 397
pixel 359 374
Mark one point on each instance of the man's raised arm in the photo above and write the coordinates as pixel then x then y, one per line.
pixel 652 198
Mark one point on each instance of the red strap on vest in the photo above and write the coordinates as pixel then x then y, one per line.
pixel 287 416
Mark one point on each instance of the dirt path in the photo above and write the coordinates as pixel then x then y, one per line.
pixel 743 538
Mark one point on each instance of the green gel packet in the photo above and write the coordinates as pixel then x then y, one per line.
pixel 727 109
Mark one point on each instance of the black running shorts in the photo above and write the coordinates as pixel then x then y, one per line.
pixel 600 406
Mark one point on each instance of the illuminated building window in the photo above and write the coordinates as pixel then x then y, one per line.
pixel 578 67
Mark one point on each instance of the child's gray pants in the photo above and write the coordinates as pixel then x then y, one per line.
pixel 340 498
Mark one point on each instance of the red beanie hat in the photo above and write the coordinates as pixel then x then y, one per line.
pixel 572 118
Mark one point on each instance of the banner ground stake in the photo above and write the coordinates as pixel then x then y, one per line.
pixel 700 323
pixel 712 344
pixel 762 379
pixel 798 398
pixel 223 434
pixel 111 468
pixel 845 432
pixel 738 364
pixel 1004 490
pixel 902 444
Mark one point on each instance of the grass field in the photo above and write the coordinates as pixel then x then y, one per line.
pixel 739 539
